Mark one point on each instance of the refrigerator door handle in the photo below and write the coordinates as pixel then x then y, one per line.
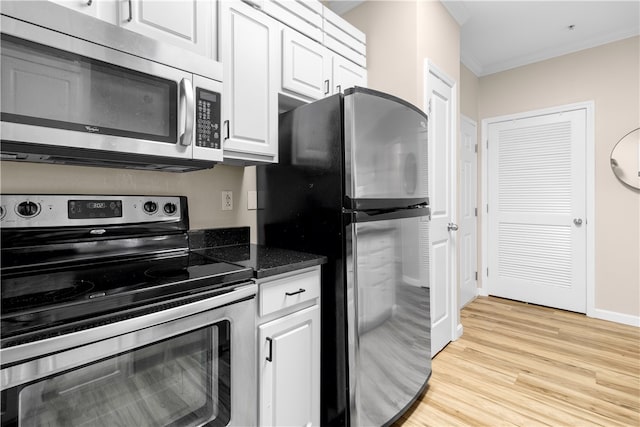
pixel 382 215
pixel 384 204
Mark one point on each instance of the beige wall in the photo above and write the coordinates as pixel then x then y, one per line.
pixel 390 27
pixel 202 187
pixel 469 88
pixel 400 36
pixel 608 75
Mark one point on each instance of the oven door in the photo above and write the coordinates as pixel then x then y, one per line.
pixel 59 90
pixel 193 370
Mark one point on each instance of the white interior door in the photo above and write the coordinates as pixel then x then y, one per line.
pixel 442 190
pixel 468 211
pixel 537 208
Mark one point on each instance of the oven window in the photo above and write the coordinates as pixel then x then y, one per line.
pixel 182 381
pixel 49 87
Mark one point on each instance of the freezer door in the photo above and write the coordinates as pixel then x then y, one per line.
pixel 388 317
pixel 385 148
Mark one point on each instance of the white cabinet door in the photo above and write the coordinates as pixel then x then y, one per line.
pixel 537 205
pixel 306 66
pixel 289 366
pixel 189 24
pixel 101 9
pixel 347 74
pixel 250 59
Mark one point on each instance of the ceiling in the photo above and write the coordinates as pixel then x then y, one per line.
pixel 500 35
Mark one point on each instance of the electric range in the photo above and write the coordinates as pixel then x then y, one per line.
pixel 87 278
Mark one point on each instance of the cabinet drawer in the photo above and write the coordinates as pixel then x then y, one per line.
pixel 299 287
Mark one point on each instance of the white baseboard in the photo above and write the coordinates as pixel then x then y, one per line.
pixel 459 331
pixel 482 292
pixel 612 316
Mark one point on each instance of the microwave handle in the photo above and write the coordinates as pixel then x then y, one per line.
pixel 186 92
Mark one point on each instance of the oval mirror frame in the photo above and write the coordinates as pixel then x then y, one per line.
pixel 625 159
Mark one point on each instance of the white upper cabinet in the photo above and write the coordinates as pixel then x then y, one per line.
pixel 303 16
pixel 344 39
pixel 105 10
pixel 346 74
pixel 306 66
pixel 189 24
pixel 250 63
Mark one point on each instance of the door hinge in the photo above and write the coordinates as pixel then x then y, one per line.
pixel 487 207
pixel 487 144
pixel 476 209
pixel 476 276
pixel 429 107
pixel 487 272
pixel 476 148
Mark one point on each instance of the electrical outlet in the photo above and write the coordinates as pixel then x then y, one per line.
pixel 227 200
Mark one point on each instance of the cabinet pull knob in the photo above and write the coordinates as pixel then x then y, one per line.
pixel 270 356
pixel 326 87
pixel 89 2
pixel 299 291
pixel 338 89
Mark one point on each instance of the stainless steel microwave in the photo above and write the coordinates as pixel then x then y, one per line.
pixel 77 90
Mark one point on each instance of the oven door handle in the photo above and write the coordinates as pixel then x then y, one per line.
pixel 189 108
pixel 95 341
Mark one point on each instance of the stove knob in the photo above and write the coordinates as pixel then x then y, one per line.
pixel 2 212
pixel 170 208
pixel 150 207
pixel 27 209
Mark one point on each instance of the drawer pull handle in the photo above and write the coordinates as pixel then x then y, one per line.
pixel 270 356
pixel 299 291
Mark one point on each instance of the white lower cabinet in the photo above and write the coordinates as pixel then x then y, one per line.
pixel 289 350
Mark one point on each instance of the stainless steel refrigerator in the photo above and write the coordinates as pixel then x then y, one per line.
pixel 352 184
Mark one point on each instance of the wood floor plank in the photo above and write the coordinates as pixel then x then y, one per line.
pixel 527 365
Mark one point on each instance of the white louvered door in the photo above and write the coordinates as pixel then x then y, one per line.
pixel 537 206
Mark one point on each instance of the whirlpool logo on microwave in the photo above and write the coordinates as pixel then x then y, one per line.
pixel 92 129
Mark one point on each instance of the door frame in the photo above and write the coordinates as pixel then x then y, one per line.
pixel 589 107
pixel 431 68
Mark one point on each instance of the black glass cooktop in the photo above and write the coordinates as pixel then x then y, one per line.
pixel 50 298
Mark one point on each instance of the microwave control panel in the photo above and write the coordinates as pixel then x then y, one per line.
pixel 207 118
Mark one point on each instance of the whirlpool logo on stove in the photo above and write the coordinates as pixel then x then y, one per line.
pixel 92 129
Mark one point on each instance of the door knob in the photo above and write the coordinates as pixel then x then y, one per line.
pixel 452 227
pixel 577 221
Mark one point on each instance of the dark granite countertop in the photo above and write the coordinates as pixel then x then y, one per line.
pixel 232 245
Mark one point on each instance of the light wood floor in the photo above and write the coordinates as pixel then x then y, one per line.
pixel 526 365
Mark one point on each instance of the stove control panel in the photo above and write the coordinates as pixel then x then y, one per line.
pixel 59 211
